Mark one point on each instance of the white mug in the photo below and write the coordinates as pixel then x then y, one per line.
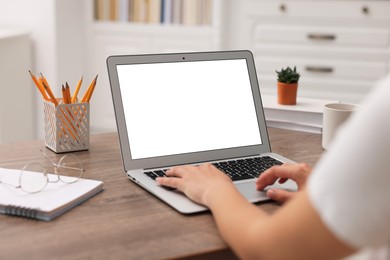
pixel 335 114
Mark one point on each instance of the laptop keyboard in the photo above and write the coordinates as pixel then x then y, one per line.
pixel 241 169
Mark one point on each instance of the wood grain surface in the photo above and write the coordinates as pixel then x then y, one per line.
pixel 124 221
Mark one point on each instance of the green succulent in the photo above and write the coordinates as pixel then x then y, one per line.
pixel 288 75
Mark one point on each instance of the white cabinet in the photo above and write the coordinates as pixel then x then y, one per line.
pixel 16 88
pixel 341 48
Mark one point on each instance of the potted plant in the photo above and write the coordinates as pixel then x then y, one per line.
pixel 287 86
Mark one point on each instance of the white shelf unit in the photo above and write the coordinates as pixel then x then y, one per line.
pixel 341 48
pixel 305 116
pixel 120 38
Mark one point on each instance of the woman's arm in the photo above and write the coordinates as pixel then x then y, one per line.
pixel 295 231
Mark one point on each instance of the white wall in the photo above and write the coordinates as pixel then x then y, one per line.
pixel 60 57
pixel 71 37
pixel 41 29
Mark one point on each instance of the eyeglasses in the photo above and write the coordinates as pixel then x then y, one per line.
pixel 33 177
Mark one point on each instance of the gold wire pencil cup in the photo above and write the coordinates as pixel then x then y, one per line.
pixel 66 126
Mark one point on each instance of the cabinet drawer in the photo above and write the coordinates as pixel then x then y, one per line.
pixel 329 69
pixel 373 10
pixel 322 35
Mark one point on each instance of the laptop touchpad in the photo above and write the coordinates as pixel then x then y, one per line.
pixel 249 191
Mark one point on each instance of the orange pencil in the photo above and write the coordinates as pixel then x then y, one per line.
pixel 52 97
pixel 69 126
pixel 67 92
pixel 76 91
pixel 85 97
pixel 44 80
pixel 88 93
pixel 39 86
pixel 64 98
pixel 93 88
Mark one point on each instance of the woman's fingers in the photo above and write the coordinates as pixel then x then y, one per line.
pixel 296 172
pixel 169 182
pixel 279 195
pixel 178 171
pixel 270 176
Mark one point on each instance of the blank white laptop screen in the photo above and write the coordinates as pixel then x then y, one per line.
pixel 186 107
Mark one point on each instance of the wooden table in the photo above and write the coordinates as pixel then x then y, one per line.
pixel 124 221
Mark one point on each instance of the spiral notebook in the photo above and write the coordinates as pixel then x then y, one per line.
pixel 51 202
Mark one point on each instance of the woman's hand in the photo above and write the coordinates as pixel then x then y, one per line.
pixel 296 172
pixel 200 183
pixel 203 183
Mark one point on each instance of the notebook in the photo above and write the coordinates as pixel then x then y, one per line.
pixel 190 108
pixel 51 202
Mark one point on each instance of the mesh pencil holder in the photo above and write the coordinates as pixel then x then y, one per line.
pixel 66 127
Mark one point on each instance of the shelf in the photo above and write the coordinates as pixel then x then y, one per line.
pixel 305 116
pixel 186 12
pixel 152 28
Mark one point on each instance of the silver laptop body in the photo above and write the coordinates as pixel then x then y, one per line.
pixel 188 108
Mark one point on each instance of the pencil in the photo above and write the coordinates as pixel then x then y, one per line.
pixel 76 91
pixel 44 80
pixel 67 92
pixel 47 88
pixel 85 97
pixel 52 97
pixel 93 88
pixel 67 123
pixel 64 99
pixel 39 86
pixel 88 93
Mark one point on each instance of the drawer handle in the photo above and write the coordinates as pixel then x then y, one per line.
pixel 365 10
pixel 283 8
pixel 319 69
pixel 321 37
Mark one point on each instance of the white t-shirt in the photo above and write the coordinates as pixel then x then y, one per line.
pixel 350 186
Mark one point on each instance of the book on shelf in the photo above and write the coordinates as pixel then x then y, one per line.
pixel 54 200
pixel 154 11
pixel 186 12
pixel 167 12
pixel 113 10
pixel 176 15
pixel 305 116
pixel 190 12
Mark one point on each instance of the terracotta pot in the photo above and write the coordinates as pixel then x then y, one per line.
pixel 287 93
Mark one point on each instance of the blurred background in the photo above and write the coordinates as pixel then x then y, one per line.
pixel 341 48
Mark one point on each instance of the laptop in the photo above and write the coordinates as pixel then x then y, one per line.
pixel 191 108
